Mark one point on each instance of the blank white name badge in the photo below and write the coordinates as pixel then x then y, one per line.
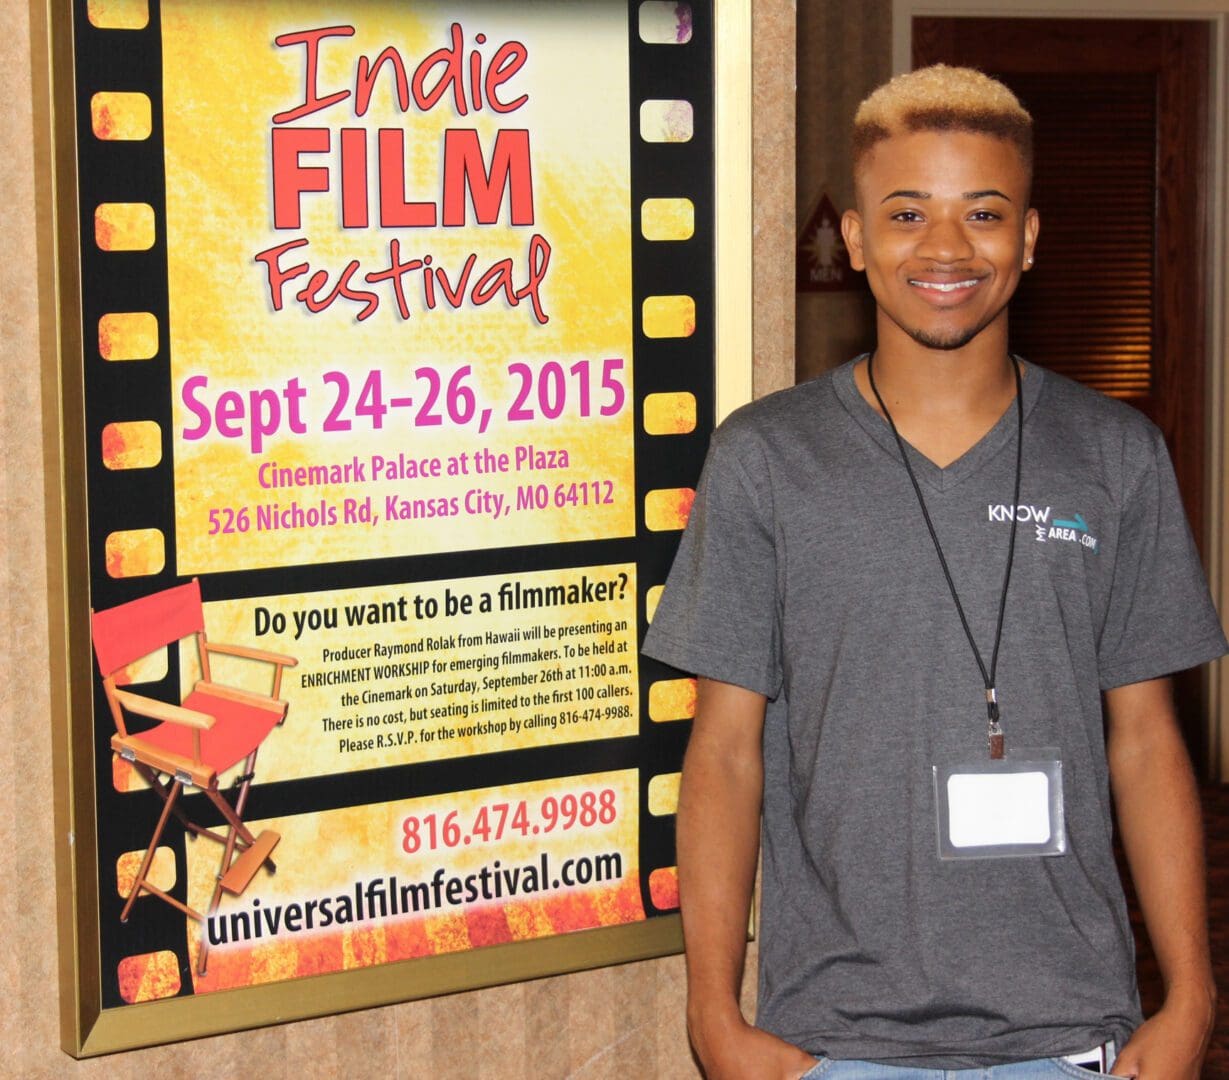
pixel 994 809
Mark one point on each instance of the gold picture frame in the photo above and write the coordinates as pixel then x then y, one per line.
pixel 92 1021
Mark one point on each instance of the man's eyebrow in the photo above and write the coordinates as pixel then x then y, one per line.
pixel 904 193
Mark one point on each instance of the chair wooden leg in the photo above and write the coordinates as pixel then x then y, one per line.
pixel 228 853
pixel 238 832
pixel 167 806
pixel 242 834
pixel 152 779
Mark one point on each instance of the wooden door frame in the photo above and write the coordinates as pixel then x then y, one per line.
pixel 1216 14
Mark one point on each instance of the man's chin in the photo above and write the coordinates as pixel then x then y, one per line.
pixel 947 335
pixel 947 341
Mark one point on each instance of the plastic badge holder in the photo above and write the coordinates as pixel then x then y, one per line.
pixel 1001 809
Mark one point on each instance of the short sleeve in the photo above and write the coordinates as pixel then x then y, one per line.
pixel 719 616
pixel 1160 618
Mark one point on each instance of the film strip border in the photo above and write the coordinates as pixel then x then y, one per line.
pixel 671 51
pixel 127 380
pixel 128 394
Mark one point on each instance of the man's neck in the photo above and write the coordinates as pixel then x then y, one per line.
pixel 943 401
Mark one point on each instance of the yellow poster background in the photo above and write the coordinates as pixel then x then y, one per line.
pixel 405 688
pixel 326 855
pixel 226 79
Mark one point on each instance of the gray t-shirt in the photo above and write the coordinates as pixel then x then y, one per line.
pixel 807 574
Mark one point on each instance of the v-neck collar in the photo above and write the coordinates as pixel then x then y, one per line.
pixel 981 452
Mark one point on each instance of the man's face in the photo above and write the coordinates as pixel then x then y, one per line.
pixel 943 232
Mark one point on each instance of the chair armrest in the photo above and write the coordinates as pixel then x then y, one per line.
pixel 161 710
pixel 252 654
pixel 166 761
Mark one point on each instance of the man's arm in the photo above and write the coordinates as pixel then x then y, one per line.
pixel 1160 822
pixel 718 844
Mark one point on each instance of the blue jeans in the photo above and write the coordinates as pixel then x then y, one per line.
pixel 1045 1069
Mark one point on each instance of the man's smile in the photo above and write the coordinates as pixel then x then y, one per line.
pixel 945 286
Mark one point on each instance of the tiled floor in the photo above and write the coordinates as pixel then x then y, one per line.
pixel 1216 823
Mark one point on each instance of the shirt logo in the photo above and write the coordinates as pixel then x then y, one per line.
pixel 1071 531
pixel 1007 512
pixel 1063 530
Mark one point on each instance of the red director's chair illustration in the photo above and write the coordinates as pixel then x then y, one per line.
pixel 195 742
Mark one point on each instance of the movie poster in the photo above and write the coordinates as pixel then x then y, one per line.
pixel 398 369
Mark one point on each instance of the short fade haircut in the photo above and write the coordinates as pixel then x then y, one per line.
pixel 942 98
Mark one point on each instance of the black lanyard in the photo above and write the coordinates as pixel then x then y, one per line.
pixel 995 731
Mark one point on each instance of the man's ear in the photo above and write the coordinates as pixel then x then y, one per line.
pixel 1032 226
pixel 851 233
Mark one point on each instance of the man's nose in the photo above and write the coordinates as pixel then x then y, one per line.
pixel 945 241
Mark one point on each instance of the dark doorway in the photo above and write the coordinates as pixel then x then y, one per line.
pixel 1119 293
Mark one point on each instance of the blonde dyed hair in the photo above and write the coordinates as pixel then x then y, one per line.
pixel 942 98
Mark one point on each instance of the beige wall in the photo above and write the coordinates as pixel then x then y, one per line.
pixel 624 1021
pixel 844 52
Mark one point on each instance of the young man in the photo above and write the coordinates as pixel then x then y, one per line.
pixel 905 586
